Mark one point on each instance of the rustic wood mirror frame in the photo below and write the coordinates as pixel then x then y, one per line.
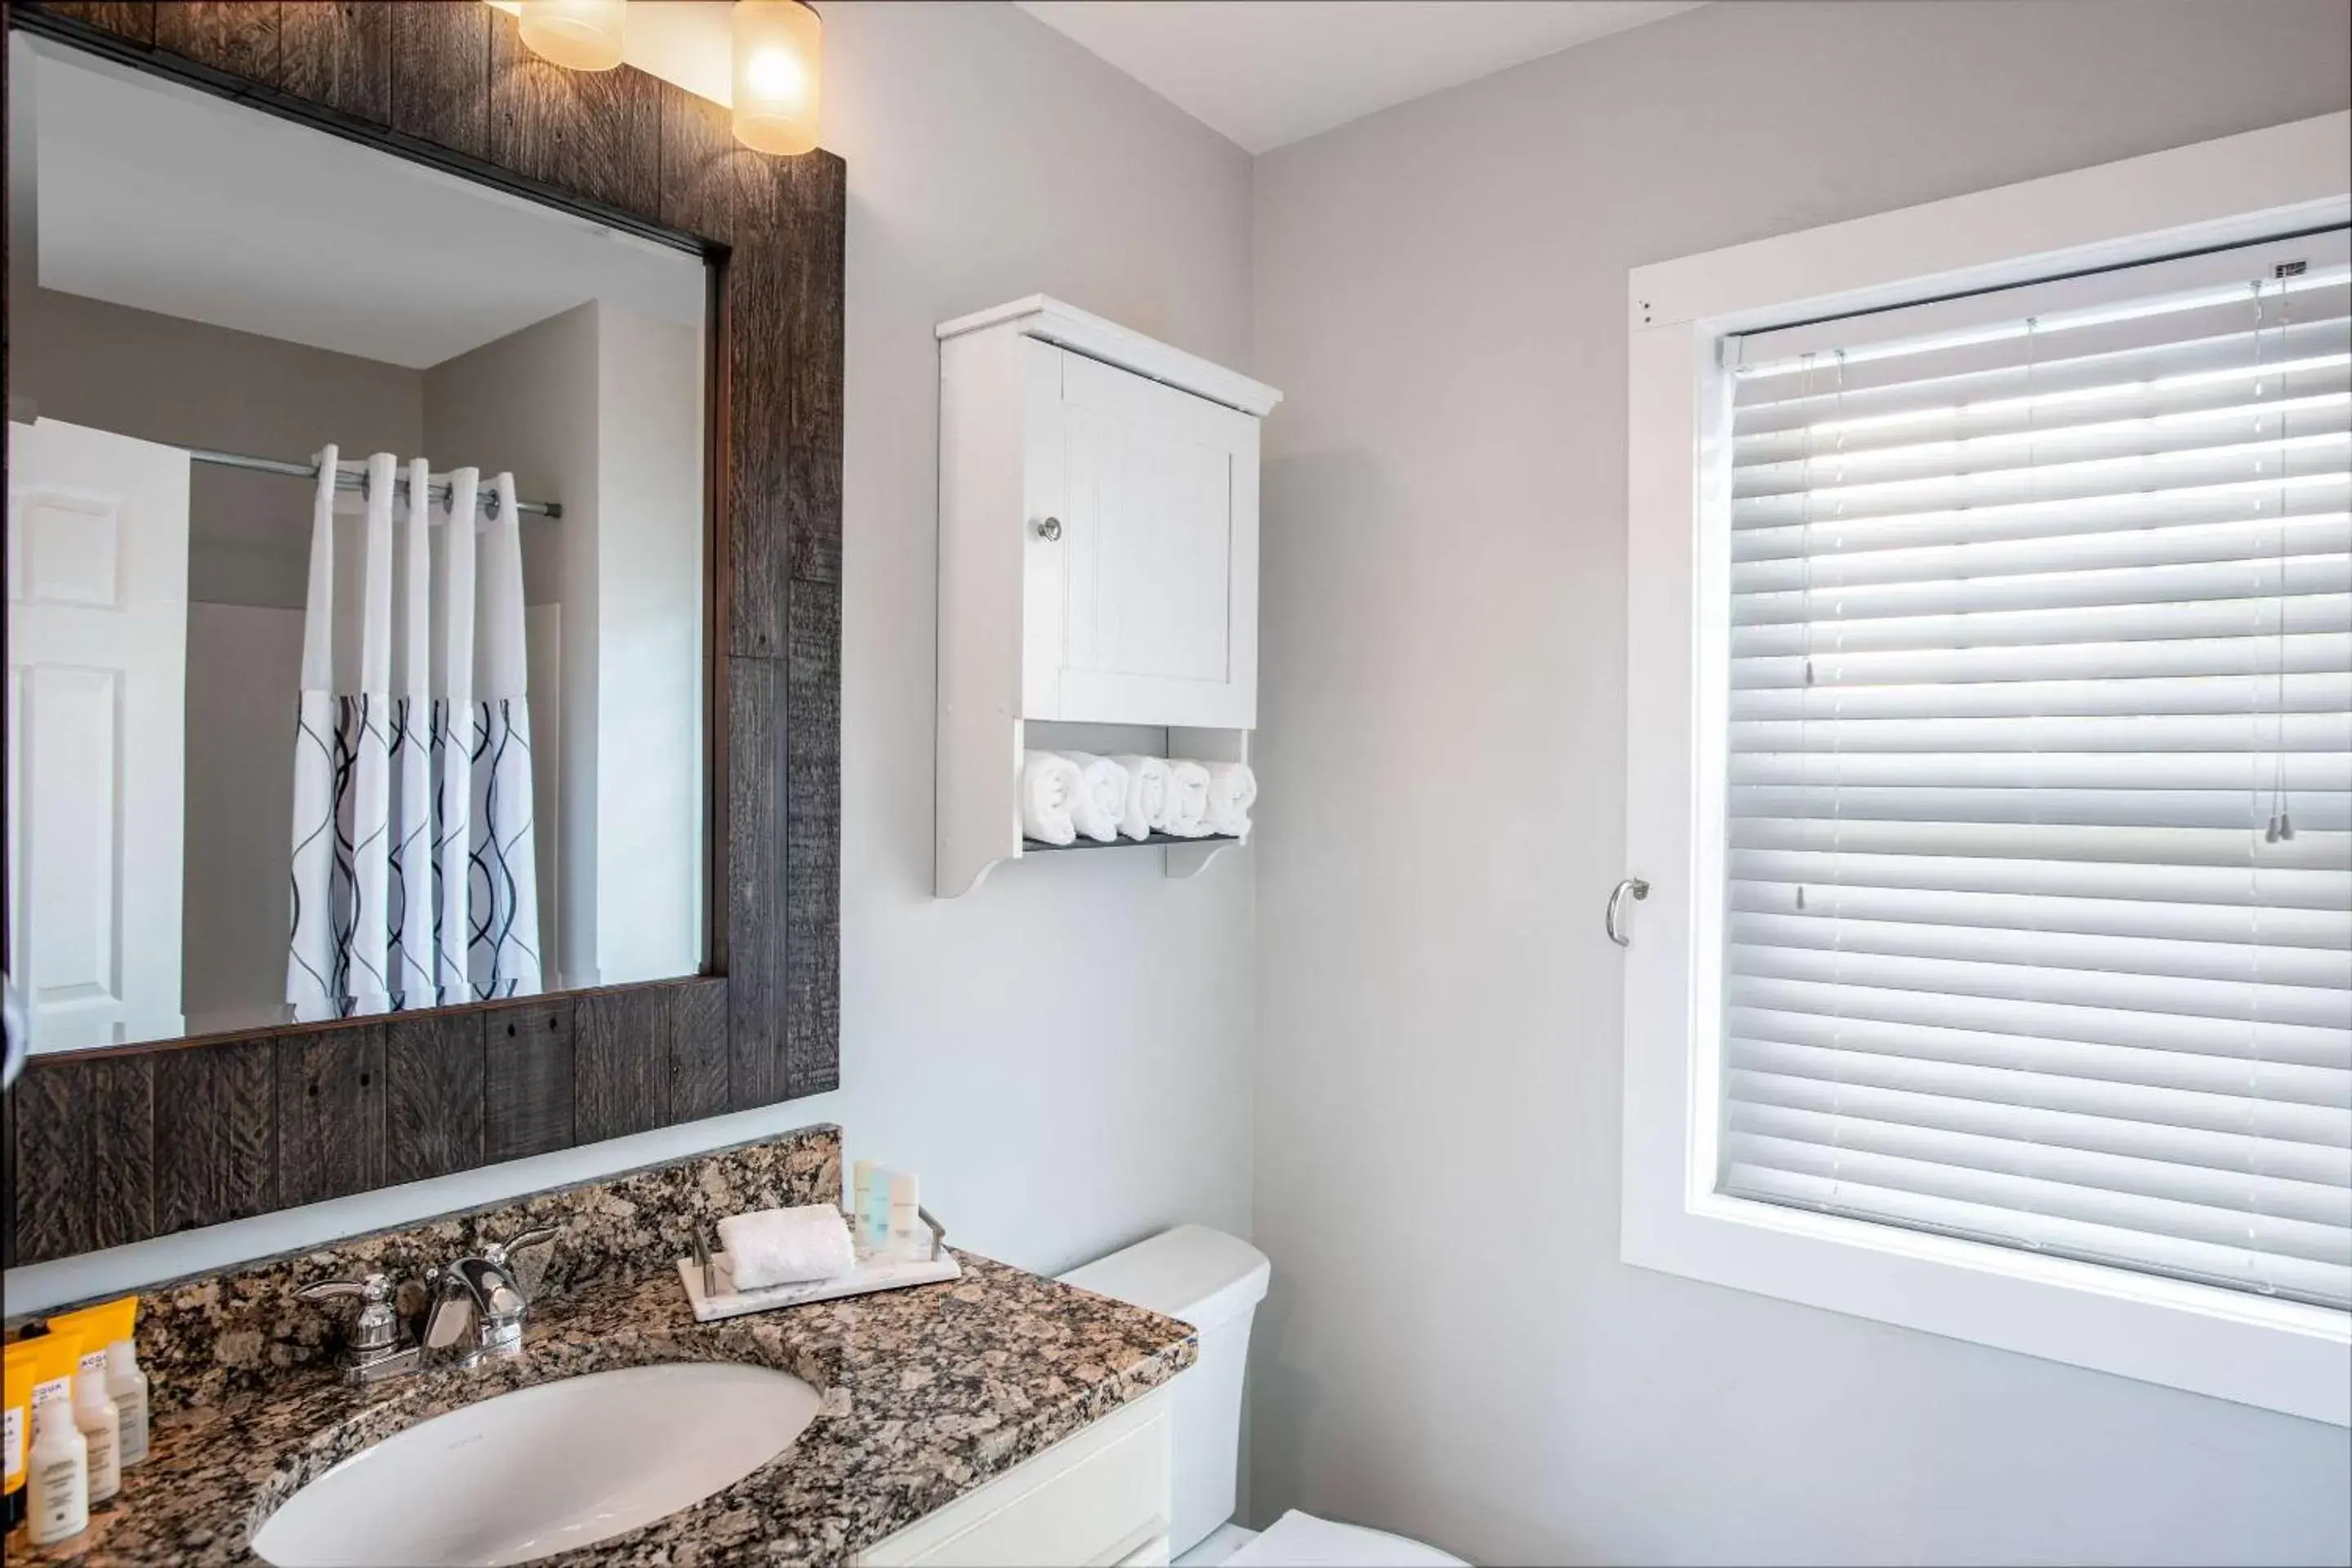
pixel 118 1144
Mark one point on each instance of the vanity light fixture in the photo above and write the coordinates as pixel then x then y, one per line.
pixel 779 47
pixel 580 34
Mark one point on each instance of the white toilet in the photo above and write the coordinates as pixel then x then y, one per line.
pixel 1214 1282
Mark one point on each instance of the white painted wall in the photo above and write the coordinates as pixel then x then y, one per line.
pixel 526 404
pixel 245 665
pixel 600 409
pixel 650 914
pixel 1451 1348
pixel 1065 1057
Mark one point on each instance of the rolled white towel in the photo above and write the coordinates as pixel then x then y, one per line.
pixel 786 1246
pixel 1233 790
pixel 1147 795
pixel 1102 795
pixel 1188 799
pixel 1049 795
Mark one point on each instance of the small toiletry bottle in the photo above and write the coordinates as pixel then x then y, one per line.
pixel 58 1465
pixel 877 1230
pixel 94 1411
pixel 19 1428
pixel 112 1325
pixel 861 1196
pixel 906 1216
pixel 126 1382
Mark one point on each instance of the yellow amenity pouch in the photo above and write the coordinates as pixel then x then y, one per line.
pixel 101 1325
pixel 21 1375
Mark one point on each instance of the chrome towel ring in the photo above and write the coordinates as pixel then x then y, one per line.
pixel 1640 889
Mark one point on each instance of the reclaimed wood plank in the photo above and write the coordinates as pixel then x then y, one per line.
pixel 330 1096
pixel 814 188
pixel 783 402
pixel 239 37
pixel 756 750
pixel 132 19
pixel 85 1148
pixel 812 920
pixel 698 154
pixel 433 1095
pixel 441 74
pixel 338 53
pixel 594 134
pixel 216 1135
pixel 697 1049
pixel 527 1078
pixel 758 522
pixel 621 1065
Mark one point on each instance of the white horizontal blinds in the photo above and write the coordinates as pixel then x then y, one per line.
pixel 2038 922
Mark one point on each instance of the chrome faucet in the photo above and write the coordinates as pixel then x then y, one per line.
pixel 474 1307
pixel 477 1306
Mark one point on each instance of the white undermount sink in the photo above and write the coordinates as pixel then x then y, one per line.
pixel 543 1469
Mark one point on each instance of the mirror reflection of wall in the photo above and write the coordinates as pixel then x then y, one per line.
pixel 189 275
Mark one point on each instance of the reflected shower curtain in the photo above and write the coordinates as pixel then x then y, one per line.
pixel 413 865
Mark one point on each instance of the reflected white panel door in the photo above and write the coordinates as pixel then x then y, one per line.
pixel 97 638
pixel 1158 549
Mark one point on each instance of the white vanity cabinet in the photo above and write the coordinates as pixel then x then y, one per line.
pixel 1099 1496
pixel 1098 552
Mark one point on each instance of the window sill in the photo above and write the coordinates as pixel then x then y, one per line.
pixel 2277 1355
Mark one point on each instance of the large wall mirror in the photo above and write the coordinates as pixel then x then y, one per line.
pixel 423 728
pixel 422 714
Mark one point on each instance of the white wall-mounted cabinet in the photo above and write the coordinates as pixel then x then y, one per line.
pixel 1098 557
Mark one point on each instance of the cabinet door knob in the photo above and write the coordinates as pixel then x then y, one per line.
pixel 1049 529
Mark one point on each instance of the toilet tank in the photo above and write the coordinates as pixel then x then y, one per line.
pixel 1214 1282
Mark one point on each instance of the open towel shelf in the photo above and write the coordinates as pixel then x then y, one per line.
pixel 1156 841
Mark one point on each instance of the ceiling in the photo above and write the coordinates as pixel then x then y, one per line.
pixel 1270 72
pixel 165 198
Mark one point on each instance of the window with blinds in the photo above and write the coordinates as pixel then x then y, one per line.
pixel 2038 914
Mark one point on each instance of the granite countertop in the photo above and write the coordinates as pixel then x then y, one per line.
pixel 927 1393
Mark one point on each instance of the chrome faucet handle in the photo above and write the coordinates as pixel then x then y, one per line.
pixel 372 1287
pixel 379 1339
pixel 501 1253
pixel 378 1327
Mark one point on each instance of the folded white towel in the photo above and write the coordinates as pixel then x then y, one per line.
pixel 1233 790
pixel 1147 795
pixel 786 1246
pixel 1102 795
pixel 1188 799
pixel 1049 794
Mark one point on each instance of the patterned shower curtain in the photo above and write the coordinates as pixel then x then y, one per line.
pixel 413 865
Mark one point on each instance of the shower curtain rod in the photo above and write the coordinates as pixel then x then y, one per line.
pixel 347 480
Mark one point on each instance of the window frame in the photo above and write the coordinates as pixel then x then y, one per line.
pixel 2278 1355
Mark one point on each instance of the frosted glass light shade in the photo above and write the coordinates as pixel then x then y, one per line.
pixel 779 49
pixel 580 34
